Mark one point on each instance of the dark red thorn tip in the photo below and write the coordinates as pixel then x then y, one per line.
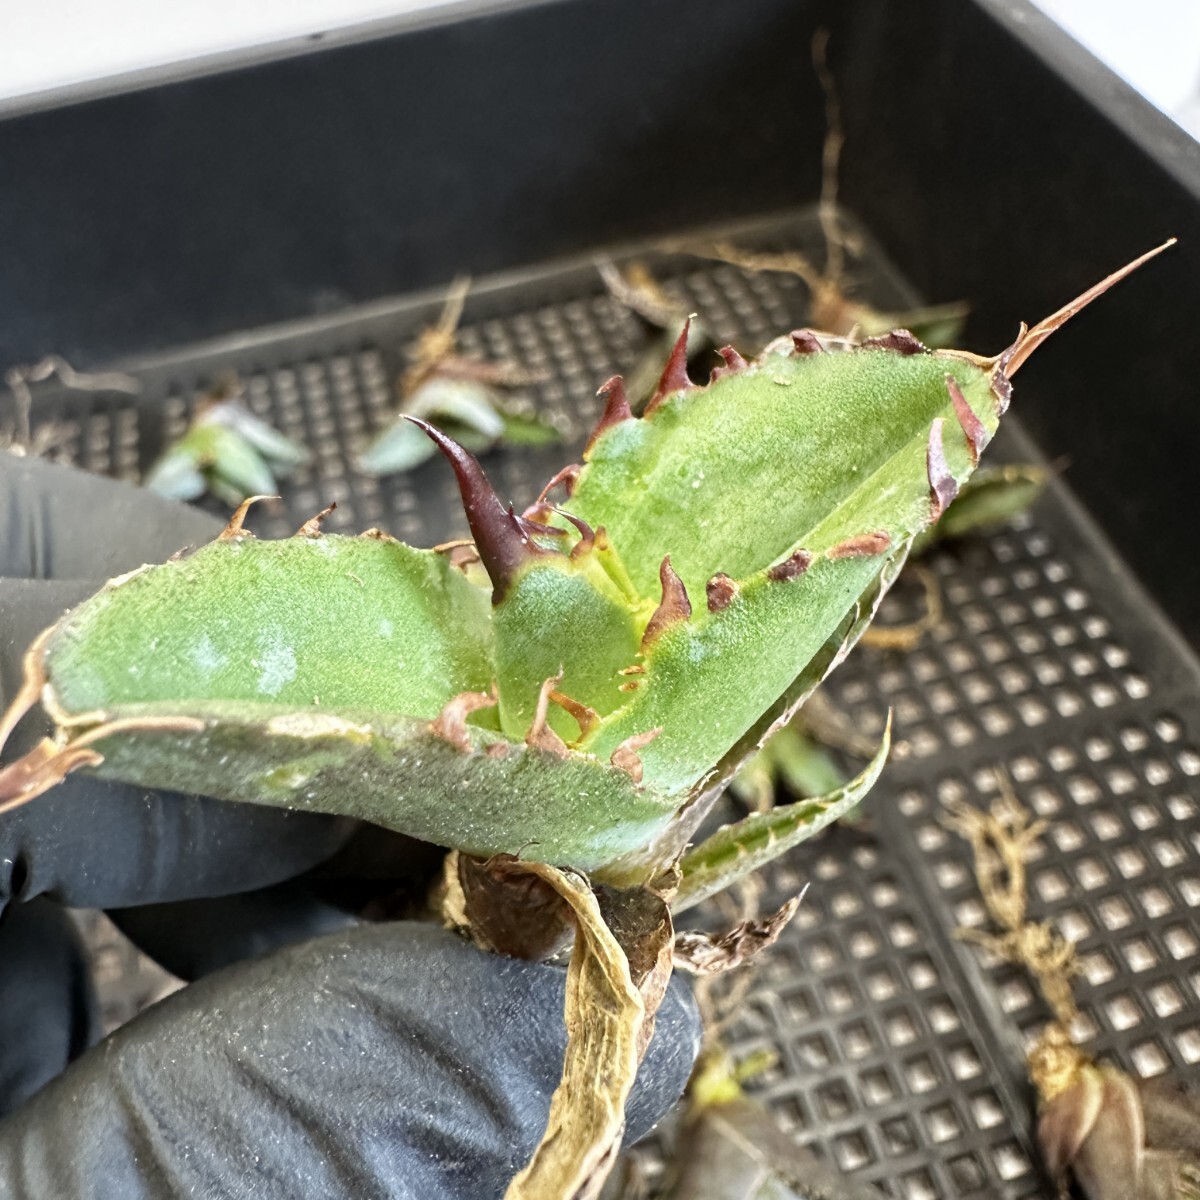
pixel 720 591
pixel 568 477
pixel 535 527
pixel 898 340
pixel 864 545
pixel 674 377
pixel 977 435
pixel 734 363
pixel 616 410
pixel 807 342
pixel 791 567
pixel 587 535
pixel 504 545
pixel 943 487
pixel 672 608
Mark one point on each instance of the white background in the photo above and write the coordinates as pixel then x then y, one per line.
pixel 49 44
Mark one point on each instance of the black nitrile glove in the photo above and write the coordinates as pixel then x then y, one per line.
pixel 372 1061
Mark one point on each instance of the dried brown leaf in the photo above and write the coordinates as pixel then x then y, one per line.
pixel 708 954
pixel 604 1014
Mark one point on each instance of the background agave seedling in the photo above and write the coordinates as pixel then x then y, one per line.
pixel 227 451
pixel 467 398
pixel 562 712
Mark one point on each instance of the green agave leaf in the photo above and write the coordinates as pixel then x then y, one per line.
pixel 176 475
pixel 742 848
pixel 479 794
pixel 525 429
pixel 228 451
pixel 778 494
pixel 721 555
pixel 325 622
pixel 399 447
pixel 992 496
pixel 279 451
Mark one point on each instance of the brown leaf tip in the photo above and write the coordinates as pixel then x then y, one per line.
pixel 626 757
pixel 863 546
pixel 312 527
pixel 672 608
pixel 710 954
pixel 674 377
pixel 805 341
pixel 791 568
pixel 734 363
pixel 451 723
pixel 899 341
pixel 974 429
pixel 720 591
pixel 616 410
pixel 943 487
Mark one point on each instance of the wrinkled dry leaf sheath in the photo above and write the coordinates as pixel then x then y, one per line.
pixel 604 1014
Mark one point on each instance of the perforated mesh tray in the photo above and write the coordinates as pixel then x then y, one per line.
pixel 899 1055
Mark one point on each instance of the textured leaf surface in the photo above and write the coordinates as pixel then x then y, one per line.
pixel 743 847
pixel 395 772
pixel 798 450
pixel 824 461
pixel 329 622
pixel 720 555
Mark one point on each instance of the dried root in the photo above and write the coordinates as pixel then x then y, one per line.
pixel 1121 1138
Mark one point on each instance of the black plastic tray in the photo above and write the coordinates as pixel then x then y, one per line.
pixel 170 227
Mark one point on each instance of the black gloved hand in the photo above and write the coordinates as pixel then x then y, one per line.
pixel 389 1060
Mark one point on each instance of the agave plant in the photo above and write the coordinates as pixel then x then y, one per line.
pixel 465 397
pixel 563 711
pixel 227 451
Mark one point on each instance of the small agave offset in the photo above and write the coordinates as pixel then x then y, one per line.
pixel 578 695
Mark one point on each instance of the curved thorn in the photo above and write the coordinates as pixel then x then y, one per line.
pixel 674 377
pixel 504 545
pixel 805 341
pixel 862 546
pixel 673 608
pixel 943 487
pixel 451 723
pixel 533 522
pixel 974 429
pixel 568 477
pixel 626 757
pixel 616 410
pixel 234 529
pixel 734 363
pixel 586 717
pixel 540 735
pixel 312 527
pixel 898 340
pixel 587 535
